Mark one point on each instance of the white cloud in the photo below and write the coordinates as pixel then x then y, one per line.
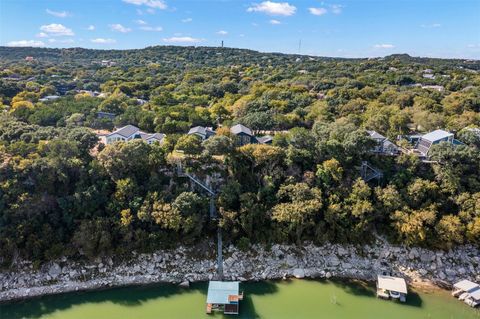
pixel 273 21
pixel 187 20
pixel 148 28
pixel 182 40
pixel 156 4
pixel 336 8
pixel 42 35
pixel 119 28
pixel 384 46
pixel 65 41
pixel 317 11
pixel 91 27
pixel 273 8
pixel 25 43
pixel 433 25
pixel 140 22
pixel 222 32
pixel 58 14
pixel 56 29
pixel 103 41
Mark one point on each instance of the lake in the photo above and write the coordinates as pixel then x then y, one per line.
pixel 276 300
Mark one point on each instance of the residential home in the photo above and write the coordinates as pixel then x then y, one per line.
pixel 49 98
pixel 382 144
pixel 243 135
pixel 131 132
pixel 425 142
pixel 105 115
pixel 267 139
pixel 202 132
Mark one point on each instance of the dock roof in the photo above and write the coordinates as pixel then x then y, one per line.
pixel 219 291
pixel 466 285
pixel 475 294
pixel 392 283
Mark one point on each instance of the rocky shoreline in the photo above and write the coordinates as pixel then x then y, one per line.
pixel 183 265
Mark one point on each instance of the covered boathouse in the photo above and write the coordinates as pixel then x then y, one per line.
pixel 391 287
pixel 224 296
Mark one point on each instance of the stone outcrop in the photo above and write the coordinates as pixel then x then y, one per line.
pixel 183 265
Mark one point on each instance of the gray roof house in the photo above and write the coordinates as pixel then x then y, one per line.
pixel 202 132
pixel 426 141
pixel 383 145
pixel 130 132
pixel 267 139
pixel 243 134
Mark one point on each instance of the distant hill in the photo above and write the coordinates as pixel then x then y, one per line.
pixel 207 56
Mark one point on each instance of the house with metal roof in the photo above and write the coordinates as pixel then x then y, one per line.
pixel 391 287
pixel 224 296
pixel 382 144
pixel 243 135
pixel 267 139
pixel 428 140
pixel 131 132
pixel 202 132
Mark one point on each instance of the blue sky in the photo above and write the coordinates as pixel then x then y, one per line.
pixel 355 28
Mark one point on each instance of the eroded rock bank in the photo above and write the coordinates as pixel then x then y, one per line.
pixel 184 264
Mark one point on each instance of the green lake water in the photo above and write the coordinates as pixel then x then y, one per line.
pixel 276 300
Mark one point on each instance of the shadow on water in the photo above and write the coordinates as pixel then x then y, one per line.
pixel 125 296
pixel 131 296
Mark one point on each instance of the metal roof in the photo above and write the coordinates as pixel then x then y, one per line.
pixel 264 139
pixel 158 136
pixel 392 283
pixel 436 135
pixel 466 285
pixel 218 291
pixel 239 128
pixel 375 135
pixel 126 131
pixel 475 294
pixel 198 130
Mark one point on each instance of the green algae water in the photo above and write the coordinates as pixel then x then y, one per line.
pixel 271 300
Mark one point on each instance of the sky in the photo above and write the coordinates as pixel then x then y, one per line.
pixel 341 28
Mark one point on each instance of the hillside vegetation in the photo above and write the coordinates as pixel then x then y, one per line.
pixel 58 197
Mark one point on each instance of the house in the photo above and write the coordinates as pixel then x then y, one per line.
pixel 426 141
pixel 464 287
pixel 382 144
pixel 267 139
pixel 105 115
pixel 49 98
pixel 224 296
pixel 130 132
pixel 391 287
pixel 202 132
pixel 243 135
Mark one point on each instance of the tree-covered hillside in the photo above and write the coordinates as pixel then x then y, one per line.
pixel 60 193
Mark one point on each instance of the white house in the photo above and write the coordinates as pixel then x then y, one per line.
pixel 130 132
pixel 426 141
